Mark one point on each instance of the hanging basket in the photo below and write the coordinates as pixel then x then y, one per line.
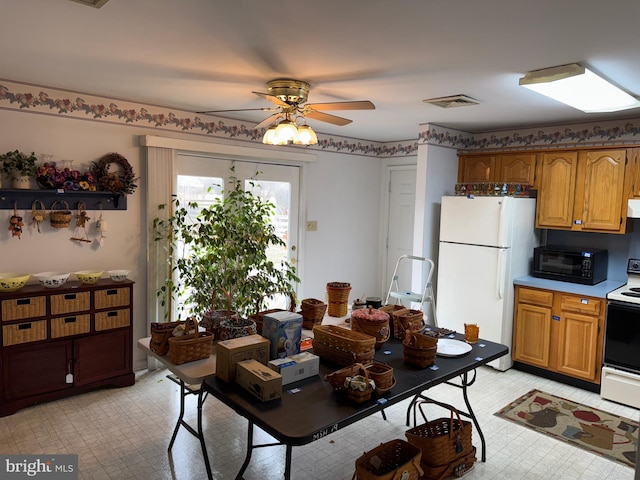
pixel 60 218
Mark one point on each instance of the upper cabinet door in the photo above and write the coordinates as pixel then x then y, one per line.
pixel 517 168
pixel 556 190
pixel 476 168
pixel 603 189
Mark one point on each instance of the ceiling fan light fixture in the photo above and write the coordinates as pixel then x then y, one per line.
pixel 306 136
pixel 580 88
pixel 286 132
pixel 269 136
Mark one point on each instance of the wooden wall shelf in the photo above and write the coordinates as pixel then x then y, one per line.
pixel 23 199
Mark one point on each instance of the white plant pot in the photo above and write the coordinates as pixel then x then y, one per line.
pixel 22 183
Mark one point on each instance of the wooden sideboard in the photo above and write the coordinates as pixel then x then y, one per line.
pixel 59 342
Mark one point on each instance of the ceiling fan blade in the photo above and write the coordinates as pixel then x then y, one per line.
pixel 268 121
pixel 272 99
pixel 263 109
pixel 357 105
pixel 325 117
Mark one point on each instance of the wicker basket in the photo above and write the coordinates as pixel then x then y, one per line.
pixel 60 218
pixel 372 322
pixel 340 357
pixel 212 319
pixel 337 378
pixel 442 441
pixel 258 317
pixel 313 311
pixel 392 310
pixel 160 334
pixel 191 347
pixel 410 320
pixel 457 468
pixel 343 338
pixel 382 374
pixel 338 297
pixel 421 357
pixel 394 460
pixel 235 328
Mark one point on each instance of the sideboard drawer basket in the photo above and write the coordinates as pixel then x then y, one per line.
pixel 67 326
pixel 70 303
pixel 19 308
pixel 24 332
pixel 112 297
pixel 112 319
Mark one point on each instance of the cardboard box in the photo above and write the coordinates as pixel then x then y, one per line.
pixel 230 352
pixel 296 367
pixel 284 331
pixel 259 380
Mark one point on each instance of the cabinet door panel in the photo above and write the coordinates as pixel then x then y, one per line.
pixel 103 356
pixel 603 189
pixel 476 168
pixel 557 190
pixel 577 349
pixel 532 334
pixel 517 168
pixel 29 370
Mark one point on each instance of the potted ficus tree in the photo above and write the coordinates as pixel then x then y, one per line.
pixel 218 256
pixel 19 167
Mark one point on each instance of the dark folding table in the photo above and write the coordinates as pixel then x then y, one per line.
pixel 310 410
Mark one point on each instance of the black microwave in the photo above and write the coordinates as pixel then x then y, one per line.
pixel 587 266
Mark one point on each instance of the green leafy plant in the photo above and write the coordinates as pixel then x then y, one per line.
pixel 222 248
pixel 17 164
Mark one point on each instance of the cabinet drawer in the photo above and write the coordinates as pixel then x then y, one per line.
pixel 66 326
pixel 70 302
pixel 589 306
pixel 112 297
pixel 536 297
pixel 19 308
pixel 24 332
pixel 112 319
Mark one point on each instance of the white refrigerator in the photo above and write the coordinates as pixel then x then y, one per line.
pixel 485 242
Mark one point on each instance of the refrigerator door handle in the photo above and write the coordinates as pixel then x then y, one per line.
pixel 501 223
pixel 500 275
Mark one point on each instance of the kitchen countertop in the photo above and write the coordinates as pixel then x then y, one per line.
pixel 599 290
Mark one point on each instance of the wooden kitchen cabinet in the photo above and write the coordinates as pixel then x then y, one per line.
pixel 507 168
pixel 583 191
pixel 65 341
pixel 559 332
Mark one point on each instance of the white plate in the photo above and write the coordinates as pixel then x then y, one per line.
pixel 448 347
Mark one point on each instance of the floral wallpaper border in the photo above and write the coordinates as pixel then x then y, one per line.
pixel 605 133
pixel 36 99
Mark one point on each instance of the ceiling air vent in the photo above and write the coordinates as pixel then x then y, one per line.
pixel 452 101
pixel 92 3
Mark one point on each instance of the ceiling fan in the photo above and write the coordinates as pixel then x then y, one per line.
pixel 289 96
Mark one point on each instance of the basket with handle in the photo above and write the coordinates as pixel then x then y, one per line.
pixel 410 320
pixel 338 298
pixel 258 317
pixel 340 357
pixel 442 441
pixel 213 318
pixel 358 385
pixel 417 355
pixel 343 339
pixel 393 460
pixel 60 218
pixel 382 374
pixel 191 346
pixel 160 334
pixel 313 311
pixel 337 378
pixel 372 322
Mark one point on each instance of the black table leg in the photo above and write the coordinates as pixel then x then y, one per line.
pixel 181 416
pixel 247 457
pixel 472 415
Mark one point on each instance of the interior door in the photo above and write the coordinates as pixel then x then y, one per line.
pixel 402 199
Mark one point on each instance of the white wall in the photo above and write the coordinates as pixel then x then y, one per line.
pixel 340 191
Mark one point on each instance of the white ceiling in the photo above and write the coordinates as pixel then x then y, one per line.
pixel 211 54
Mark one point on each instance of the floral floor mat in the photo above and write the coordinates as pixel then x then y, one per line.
pixel 603 433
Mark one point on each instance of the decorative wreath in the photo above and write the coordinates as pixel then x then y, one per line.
pixel 122 181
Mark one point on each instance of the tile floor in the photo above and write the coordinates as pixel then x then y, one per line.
pixel 124 433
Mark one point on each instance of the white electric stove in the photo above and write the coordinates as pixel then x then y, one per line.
pixel 621 371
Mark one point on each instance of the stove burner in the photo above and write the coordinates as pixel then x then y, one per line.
pixel 635 293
